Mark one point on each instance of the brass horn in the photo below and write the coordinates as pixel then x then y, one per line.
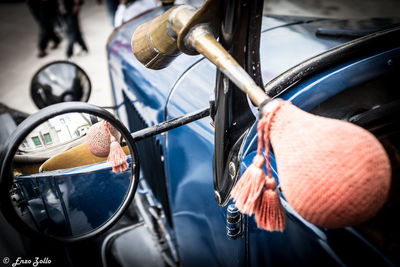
pixel 183 29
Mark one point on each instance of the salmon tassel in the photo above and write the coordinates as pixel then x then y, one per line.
pixel 255 192
pixel 116 157
pixel 269 213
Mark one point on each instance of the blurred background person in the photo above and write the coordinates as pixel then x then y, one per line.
pixel 128 9
pixel 111 6
pixel 45 13
pixel 70 10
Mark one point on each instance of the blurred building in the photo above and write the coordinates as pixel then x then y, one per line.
pixel 42 137
pixel 55 132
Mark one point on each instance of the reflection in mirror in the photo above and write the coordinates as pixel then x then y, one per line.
pixel 71 175
pixel 58 82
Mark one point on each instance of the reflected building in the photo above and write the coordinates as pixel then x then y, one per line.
pixel 45 135
pixel 55 132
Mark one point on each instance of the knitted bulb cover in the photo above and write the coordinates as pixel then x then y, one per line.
pixel 333 173
pixel 98 140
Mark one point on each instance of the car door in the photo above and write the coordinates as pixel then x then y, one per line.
pixel 199 223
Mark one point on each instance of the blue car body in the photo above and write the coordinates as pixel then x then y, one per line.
pixel 177 166
pixel 63 202
pixel 182 159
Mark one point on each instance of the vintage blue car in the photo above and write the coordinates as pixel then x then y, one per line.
pixel 182 214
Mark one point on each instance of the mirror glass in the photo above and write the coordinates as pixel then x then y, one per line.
pixel 60 81
pixel 71 175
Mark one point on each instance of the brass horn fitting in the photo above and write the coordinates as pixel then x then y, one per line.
pixel 167 2
pixel 157 43
pixel 154 43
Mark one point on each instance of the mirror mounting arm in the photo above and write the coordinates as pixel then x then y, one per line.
pixel 170 124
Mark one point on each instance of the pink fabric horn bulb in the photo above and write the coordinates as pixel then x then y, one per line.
pixel 102 141
pixel 333 173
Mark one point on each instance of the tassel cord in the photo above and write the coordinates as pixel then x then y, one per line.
pixel 266 136
pixel 269 213
pixel 260 131
pixel 116 157
pixel 107 127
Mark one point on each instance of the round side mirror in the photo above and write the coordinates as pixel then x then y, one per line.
pixel 60 177
pixel 59 81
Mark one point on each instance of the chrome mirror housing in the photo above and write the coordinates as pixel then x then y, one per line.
pixel 56 182
pixel 58 82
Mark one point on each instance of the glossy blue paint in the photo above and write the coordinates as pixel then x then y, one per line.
pixel 200 224
pixel 284 47
pixel 327 84
pixel 63 202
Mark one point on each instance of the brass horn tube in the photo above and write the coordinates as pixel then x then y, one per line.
pixel 154 44
pixel 203 41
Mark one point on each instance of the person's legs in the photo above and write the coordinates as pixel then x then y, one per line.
pixel 112 6
pixel 43 39
pixel 82 43
pixel 34 9
pixel 52 11
pixel 43 36
pixel 79 37
pixel 51 33
pixel 70 34
pixel 77 32
pixel 55 38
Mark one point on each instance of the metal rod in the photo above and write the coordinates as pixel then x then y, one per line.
pixel 205 43
pixel 170 124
